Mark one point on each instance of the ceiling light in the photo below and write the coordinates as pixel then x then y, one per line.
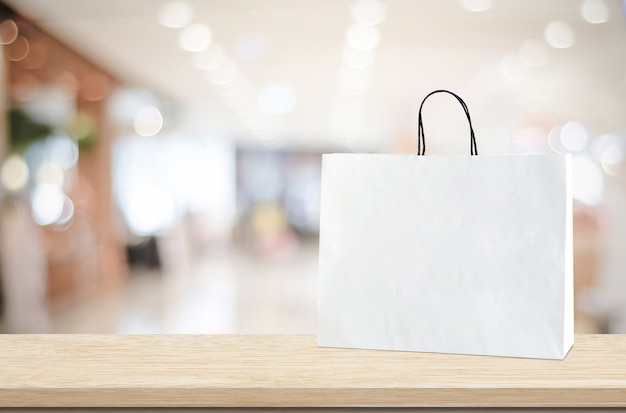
pixel 195 38
pixel 574 136
pixel 559 35
pixel 369 12
pixel 476 5
pixel 175 14
pixel 595 11
pixel 361 37
pixel 148 121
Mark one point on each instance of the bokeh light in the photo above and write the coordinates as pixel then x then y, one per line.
pixel 14 173
pixel 37 56
pixel 574 136
pixel 362 37
pixel 142 215
pixel 195 37
pixel 8 32
pixel 50 173
pixel 612 155
pixel 368 12
pixel 47 203
pixel 175 14
pixel 148 121
pixel 203 125
pixel 595 11
pixel 67 82
pixel 476 5
pixel 62 150
pixel 67 215
pixel 559 35
pixel 601 143
pixel 95 86
pixel 18 49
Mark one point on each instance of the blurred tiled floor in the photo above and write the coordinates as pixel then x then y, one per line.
pixel 225 293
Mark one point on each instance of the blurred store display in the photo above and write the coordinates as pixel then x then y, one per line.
pixel 160 161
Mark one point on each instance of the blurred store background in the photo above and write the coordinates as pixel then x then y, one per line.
pixel 160 160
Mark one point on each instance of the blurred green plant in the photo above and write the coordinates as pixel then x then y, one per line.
pixel 83 130
pixel 24 131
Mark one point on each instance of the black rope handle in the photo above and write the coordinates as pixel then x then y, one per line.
pixel 421 136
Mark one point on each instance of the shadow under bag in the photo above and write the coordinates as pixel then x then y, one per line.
pixel 451 253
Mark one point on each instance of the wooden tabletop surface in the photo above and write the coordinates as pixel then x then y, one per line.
pixel 291 371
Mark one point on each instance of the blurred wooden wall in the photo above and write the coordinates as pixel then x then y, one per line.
pixel 88 256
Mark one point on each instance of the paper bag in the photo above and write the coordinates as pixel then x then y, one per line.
pixel 451 253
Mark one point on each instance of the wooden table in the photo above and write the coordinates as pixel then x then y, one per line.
pixel 290 371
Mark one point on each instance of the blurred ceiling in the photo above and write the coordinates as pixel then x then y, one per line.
pixel 424 45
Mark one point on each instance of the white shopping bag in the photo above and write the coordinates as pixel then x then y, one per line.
pixel 454 254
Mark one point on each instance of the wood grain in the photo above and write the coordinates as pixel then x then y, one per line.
pixel 290 371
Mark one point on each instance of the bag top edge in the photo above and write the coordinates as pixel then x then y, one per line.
pixel 445 155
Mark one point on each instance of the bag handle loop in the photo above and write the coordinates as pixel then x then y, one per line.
pixel 421 136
